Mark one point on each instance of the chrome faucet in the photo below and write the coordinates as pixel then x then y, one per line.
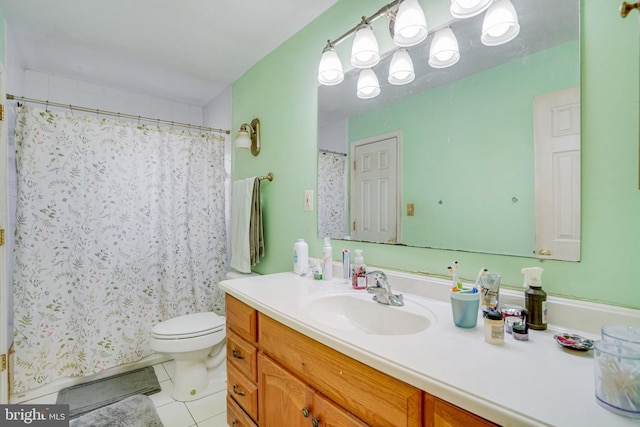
pixel 381 289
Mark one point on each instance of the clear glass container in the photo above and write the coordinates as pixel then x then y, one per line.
pixel 617 377
pixel 621 333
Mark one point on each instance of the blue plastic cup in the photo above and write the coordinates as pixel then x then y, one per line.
pixel 464 306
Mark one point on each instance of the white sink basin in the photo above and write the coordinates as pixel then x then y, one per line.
pixel 356 311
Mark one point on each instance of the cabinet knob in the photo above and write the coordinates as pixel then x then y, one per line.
pixel 236 354
pixel 238 392
pixel 545 252
pixel 315 421
pixel 305 412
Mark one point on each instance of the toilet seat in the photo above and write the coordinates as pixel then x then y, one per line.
pixel 188 326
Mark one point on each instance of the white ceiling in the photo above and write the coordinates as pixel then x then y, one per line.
pixel 184 50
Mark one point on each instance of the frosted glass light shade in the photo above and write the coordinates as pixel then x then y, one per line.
pixel 330 70
pixel 444 50
pixel 364 51
pixel 500 24
pixel 401 68
pixel 468 8
pixel 368 86
pixel 410 27
pixel 243 140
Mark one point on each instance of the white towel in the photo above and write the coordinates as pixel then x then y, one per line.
pixel 242 192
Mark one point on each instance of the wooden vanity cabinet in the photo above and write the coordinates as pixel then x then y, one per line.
pixel 279 377
pixel 366 393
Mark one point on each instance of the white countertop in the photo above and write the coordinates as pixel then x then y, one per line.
pixel 520 383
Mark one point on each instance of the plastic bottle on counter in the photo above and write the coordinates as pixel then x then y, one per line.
pixel 493 327
pixel 301 257
pixel 327 260
pixel 358 271
pixel 535 298
pixel 317 271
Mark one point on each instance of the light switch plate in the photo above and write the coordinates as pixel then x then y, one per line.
pixel 308 200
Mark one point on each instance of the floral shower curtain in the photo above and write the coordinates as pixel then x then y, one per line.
pixel 332 194
pixel 119 226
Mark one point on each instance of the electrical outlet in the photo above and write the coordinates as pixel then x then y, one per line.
pixel 308 200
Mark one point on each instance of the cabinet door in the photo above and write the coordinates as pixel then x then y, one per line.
pixel 328 414
pixel 284 399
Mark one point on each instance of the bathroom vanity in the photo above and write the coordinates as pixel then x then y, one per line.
pixel 305 352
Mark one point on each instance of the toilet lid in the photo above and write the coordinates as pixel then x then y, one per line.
pixel 189 326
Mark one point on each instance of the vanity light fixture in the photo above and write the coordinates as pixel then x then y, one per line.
pixel 249 137
pixel 444 50
pixel 500 24
pixel 401 68
pixel 364 51
pixel 368 86
pixel 410 26
pixel 330 70
pixel 468 8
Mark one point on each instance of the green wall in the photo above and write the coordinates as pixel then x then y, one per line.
pixel 467 151
pixel 282 91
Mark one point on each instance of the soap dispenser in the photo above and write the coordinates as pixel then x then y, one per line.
pixel 535 298
pixel 359 271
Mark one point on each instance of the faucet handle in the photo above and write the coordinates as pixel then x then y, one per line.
pixel 380 279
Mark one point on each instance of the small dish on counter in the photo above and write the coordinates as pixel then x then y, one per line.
pixel 574 342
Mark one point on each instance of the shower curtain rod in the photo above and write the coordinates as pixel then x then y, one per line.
pixel 115 114
pixel 322 150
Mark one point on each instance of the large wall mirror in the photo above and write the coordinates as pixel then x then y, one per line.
pixel 487 151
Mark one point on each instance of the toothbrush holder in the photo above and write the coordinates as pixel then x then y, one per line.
pixel 464 307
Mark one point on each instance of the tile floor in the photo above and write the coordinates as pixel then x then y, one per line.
pixel 210 411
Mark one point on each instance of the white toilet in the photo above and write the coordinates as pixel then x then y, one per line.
pixel 196 342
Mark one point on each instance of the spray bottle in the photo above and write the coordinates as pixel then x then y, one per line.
pixel 535 298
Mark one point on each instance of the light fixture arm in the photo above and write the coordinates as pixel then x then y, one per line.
pixel 388 10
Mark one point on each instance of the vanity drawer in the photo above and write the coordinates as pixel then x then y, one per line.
pixel 242 355
pixel 243 391
pixel 236 416
pixel 242 319
pixel 372 396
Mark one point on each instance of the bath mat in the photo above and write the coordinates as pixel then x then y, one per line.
pixel 134 411
pixel 83 398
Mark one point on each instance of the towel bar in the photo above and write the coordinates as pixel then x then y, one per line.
pixel 269 176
